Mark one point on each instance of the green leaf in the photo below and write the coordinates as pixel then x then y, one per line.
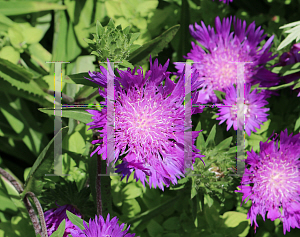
pixel 12 8
pixel 5 22
pixel 148 215
pixel 32 35
pixel 16 37
pixel 76 220
pixel 211 216
pixel 76 143
pixel 6 204
pixel 297 124
pixel 9 53
pixel 40 55
pixel 220 94
pixel 173 223
pixel 45 101
pixel 184 42
pixel 92 170
pixel 208 200
pixel 23 123
pixel 75 113
pixel 59 39
pixel 224 144
pixel 264 127
pixel 153 47
pixel 42 165
pixel 19 77
pixel 126 64
pixel 200 142
pixel 82 16
pixel 60 230
pixel 211 137
pixel 22 226
pixel 238 221
pixel 15 197
pixel 131 190
pixel 73 49
pixel 131 207
pixel 79 79
pixel 293 35
pixel 154 229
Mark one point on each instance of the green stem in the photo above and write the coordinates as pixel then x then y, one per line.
pixel 278 87
pixel 18 187
pixel 103 187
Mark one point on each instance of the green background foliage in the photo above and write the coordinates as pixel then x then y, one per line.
pixel 35 32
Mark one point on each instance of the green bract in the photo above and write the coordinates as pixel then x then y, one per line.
pixel 112 43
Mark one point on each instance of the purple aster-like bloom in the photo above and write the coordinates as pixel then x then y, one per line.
pixel 55 216
pixel 289 58
pixel 149 124
pixel 275 175
pixel 254 112
pixel 100 227
pixel 216 64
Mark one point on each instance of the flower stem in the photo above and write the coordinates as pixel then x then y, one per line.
pixel 40 211
pixel 103 189
pixel 19 188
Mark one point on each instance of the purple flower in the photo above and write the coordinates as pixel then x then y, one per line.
pixel 100 227
pixel 275 175
pixel 289 58
pixel 216 63
pixel 254 112
pixel 55 216
pixel 149 124
pixel 225 1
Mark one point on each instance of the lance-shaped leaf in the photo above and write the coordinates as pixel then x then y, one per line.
pixel 60 230
pixel 14 196
pixel 45 161
pixel 153 47
pixel 13 8
pixel 184 45
pixel 211 137
pixel 76 220
pixel 150 214
pixel 75 113
pixel 79 79
pixel 293 34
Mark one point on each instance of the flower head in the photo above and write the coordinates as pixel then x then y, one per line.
pixel 289 58
pixel 233 112
pixel 100 227
pixel 275 175
pixel 149 125
pixel 55 216
pixel 217 63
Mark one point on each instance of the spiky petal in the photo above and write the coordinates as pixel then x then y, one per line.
pixel 55 216
pixel 274 175
pixel 254 111
pixel 100 227
pixel 216 64
pixel 149 125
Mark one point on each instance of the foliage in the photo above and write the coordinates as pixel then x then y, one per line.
pixel 34 33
